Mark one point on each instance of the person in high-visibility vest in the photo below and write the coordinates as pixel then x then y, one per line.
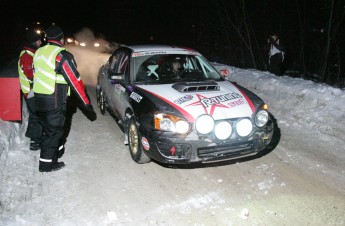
pixel 34 128
pixel 55 76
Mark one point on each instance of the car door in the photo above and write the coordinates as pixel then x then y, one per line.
pixel 104 78
pixel 117 94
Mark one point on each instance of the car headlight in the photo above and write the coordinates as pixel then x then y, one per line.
pixel 261 118
pixel 171 123
pixel 223 130
pixel 244 127
pixel 204 124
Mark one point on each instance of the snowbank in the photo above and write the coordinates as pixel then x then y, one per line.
pixel 12 136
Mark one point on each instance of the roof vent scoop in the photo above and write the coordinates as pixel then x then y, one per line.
pixel 185 87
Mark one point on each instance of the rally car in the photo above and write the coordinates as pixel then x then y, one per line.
pixel 184 116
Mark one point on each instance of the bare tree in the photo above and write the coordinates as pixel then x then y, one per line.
pixel 240 23
pixel 301 20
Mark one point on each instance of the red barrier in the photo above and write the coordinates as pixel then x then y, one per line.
pixel 10 99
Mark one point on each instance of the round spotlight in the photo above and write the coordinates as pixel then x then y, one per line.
pixel 261 118
pixel 204 124
pixel 223 130
pixel 182 126
pixel 244 127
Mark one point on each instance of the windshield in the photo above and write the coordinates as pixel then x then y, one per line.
pixel 172 68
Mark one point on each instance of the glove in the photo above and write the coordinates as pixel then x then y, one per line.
pixel 90 113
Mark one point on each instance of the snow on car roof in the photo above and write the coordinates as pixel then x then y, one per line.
pixel 141 50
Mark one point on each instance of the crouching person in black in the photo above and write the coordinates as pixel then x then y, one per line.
pixel 55 76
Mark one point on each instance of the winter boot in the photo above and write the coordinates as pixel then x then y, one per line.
pixel 57 166
pixel 51 167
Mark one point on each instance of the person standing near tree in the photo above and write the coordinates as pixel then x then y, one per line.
pixel 275 55
pixel 34 129
pixel 55 76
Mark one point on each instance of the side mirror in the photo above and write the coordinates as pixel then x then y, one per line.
pixel 224 72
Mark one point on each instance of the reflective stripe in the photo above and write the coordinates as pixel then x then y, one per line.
pixel 30 53
pixel 24 81
pixel 46 160
pixel 47 74
pixel 24 88
pixel 37 80
pixel 60 79
pixel 45 77
pixel 51 61
pixel 61 147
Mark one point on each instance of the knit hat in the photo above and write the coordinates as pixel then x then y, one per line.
pixel 54 32
pixel 32 36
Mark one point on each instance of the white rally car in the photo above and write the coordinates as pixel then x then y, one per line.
pixel 174 107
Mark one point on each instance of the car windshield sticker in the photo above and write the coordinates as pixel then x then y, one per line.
pixel 145 143
pixel 214 102
pixel 152 69
pixel 148 53
pixel 183 99
pixel 136 97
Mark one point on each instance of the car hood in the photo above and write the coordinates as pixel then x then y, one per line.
pixel 221 99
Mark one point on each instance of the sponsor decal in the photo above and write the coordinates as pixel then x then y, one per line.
pixel 183 99
pixel 145 143
pixel 136 97
pixel 172 150
pixel 235 103
pixel 214 102
pixel 206 102
pixel 119 88
pixel 213 106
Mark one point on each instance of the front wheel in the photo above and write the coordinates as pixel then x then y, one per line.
pixel 135 146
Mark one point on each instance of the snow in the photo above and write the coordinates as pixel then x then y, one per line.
pixel 28 197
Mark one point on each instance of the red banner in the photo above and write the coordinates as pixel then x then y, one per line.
pixel 10 99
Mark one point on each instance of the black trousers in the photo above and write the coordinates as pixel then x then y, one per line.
pixel 275 66
pixel 34 130
pixel 53 123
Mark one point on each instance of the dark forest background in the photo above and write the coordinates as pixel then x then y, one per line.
pixel 230 32
pixel 313 32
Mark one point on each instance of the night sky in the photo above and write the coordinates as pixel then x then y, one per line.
pixel 122 21
pixel 233 32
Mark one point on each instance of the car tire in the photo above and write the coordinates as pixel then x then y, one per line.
pixel 102 102
pixel 135 146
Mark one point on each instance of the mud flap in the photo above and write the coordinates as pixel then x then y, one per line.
pixel 125 128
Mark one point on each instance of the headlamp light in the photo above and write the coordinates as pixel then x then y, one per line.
pixel 170 123
pixel 261 118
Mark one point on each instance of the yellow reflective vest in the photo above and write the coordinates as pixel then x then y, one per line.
pixel 45 76
pixel 25 83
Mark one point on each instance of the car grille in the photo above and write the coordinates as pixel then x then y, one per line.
pixel 227 149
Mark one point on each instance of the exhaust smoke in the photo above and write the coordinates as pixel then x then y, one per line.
pixel 90 56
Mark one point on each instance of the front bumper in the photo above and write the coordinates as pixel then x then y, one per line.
pixel 168 148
